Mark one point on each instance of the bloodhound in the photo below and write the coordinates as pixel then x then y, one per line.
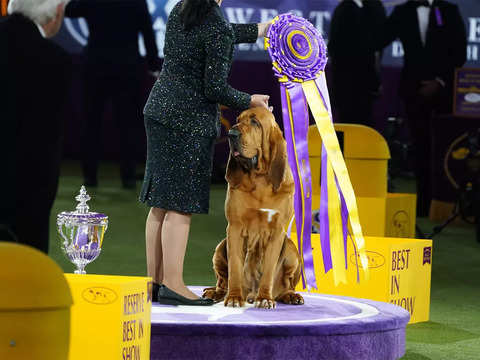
pixel 257 262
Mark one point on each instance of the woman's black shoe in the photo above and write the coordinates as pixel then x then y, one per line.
pixel 170 297
pixel 155 288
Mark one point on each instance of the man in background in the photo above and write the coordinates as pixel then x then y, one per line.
pixel 35 78
pixel 113 72
pixel 354 61
pixel 434 39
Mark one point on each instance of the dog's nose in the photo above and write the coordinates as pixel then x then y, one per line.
pixel 234 134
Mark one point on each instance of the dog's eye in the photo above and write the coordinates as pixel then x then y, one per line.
pixel 254 122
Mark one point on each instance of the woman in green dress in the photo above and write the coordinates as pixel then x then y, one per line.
pixel 182 122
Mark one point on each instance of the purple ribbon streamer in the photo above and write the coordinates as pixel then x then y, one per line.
pixel 323 213
pixel 356 258
pixel 324 223
pixel 299 162
pixel 344 211
pixel 297 201
pixel 300 116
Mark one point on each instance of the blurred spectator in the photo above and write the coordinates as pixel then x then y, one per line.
pixel 354 62
pixel 35 77
pixel 113 71
pixel 434 39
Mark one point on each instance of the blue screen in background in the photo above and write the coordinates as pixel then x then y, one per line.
pixel 74 33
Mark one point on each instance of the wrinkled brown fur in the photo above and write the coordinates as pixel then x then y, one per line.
pixel 257 262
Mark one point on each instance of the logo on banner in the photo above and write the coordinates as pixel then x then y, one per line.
pixel 427 255
pixel 401 224
pixel 99 295
pixel 375 259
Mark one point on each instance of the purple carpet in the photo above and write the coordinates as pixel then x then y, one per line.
pixel 326 327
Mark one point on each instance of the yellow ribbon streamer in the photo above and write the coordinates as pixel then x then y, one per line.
pixel 330 141
pixel 335 229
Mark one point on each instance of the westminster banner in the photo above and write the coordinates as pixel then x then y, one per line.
pixel 74 33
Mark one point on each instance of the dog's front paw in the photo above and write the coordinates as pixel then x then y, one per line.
pixel 264 303
pixel 291 298
pixel 214 294
pixel 234 301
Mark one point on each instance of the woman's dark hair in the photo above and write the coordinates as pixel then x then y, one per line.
pixel 194 12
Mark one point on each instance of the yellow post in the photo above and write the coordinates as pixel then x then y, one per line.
pixel 35 305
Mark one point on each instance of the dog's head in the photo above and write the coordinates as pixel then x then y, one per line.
pixel 256 145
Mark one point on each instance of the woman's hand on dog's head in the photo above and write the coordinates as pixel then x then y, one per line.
pixel 259 101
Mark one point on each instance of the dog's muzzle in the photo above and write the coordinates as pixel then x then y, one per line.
pixel 234 141
pixel 234 136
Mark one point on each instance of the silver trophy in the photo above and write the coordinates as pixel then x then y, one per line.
pixel 82 232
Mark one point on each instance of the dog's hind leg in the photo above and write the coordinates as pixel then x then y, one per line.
pixel 220 266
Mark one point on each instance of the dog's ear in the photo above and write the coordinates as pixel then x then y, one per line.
pixel 266 148
pixel 278 158
pixel 234 172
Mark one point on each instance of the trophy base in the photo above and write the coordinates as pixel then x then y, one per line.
pixel 80 272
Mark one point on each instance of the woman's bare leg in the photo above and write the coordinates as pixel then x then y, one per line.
pixel 153 237
pixel 175 229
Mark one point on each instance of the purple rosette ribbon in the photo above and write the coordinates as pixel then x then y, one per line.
pixel 299 57
pixel 296 47
pixel 298 54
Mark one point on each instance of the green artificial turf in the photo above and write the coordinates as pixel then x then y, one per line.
pixel 123 250
pixel 453 332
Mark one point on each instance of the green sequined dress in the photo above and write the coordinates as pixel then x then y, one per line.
pixel 182 112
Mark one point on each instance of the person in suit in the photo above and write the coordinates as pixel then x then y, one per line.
pixel 113 72
pixel 35 75
pixel 434 39
pixel 354 60
pixel 182 122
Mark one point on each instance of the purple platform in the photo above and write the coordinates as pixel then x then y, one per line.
pixel 326 327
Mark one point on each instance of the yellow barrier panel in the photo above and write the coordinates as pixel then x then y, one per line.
pixel 35 304
pixel 366 155
pixel 400 273
pixel 110 317
pixel 390 216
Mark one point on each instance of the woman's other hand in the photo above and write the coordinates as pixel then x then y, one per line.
pixel 259 101
pixel 263 29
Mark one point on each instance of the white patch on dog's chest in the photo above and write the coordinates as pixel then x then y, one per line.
pixel 270 212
